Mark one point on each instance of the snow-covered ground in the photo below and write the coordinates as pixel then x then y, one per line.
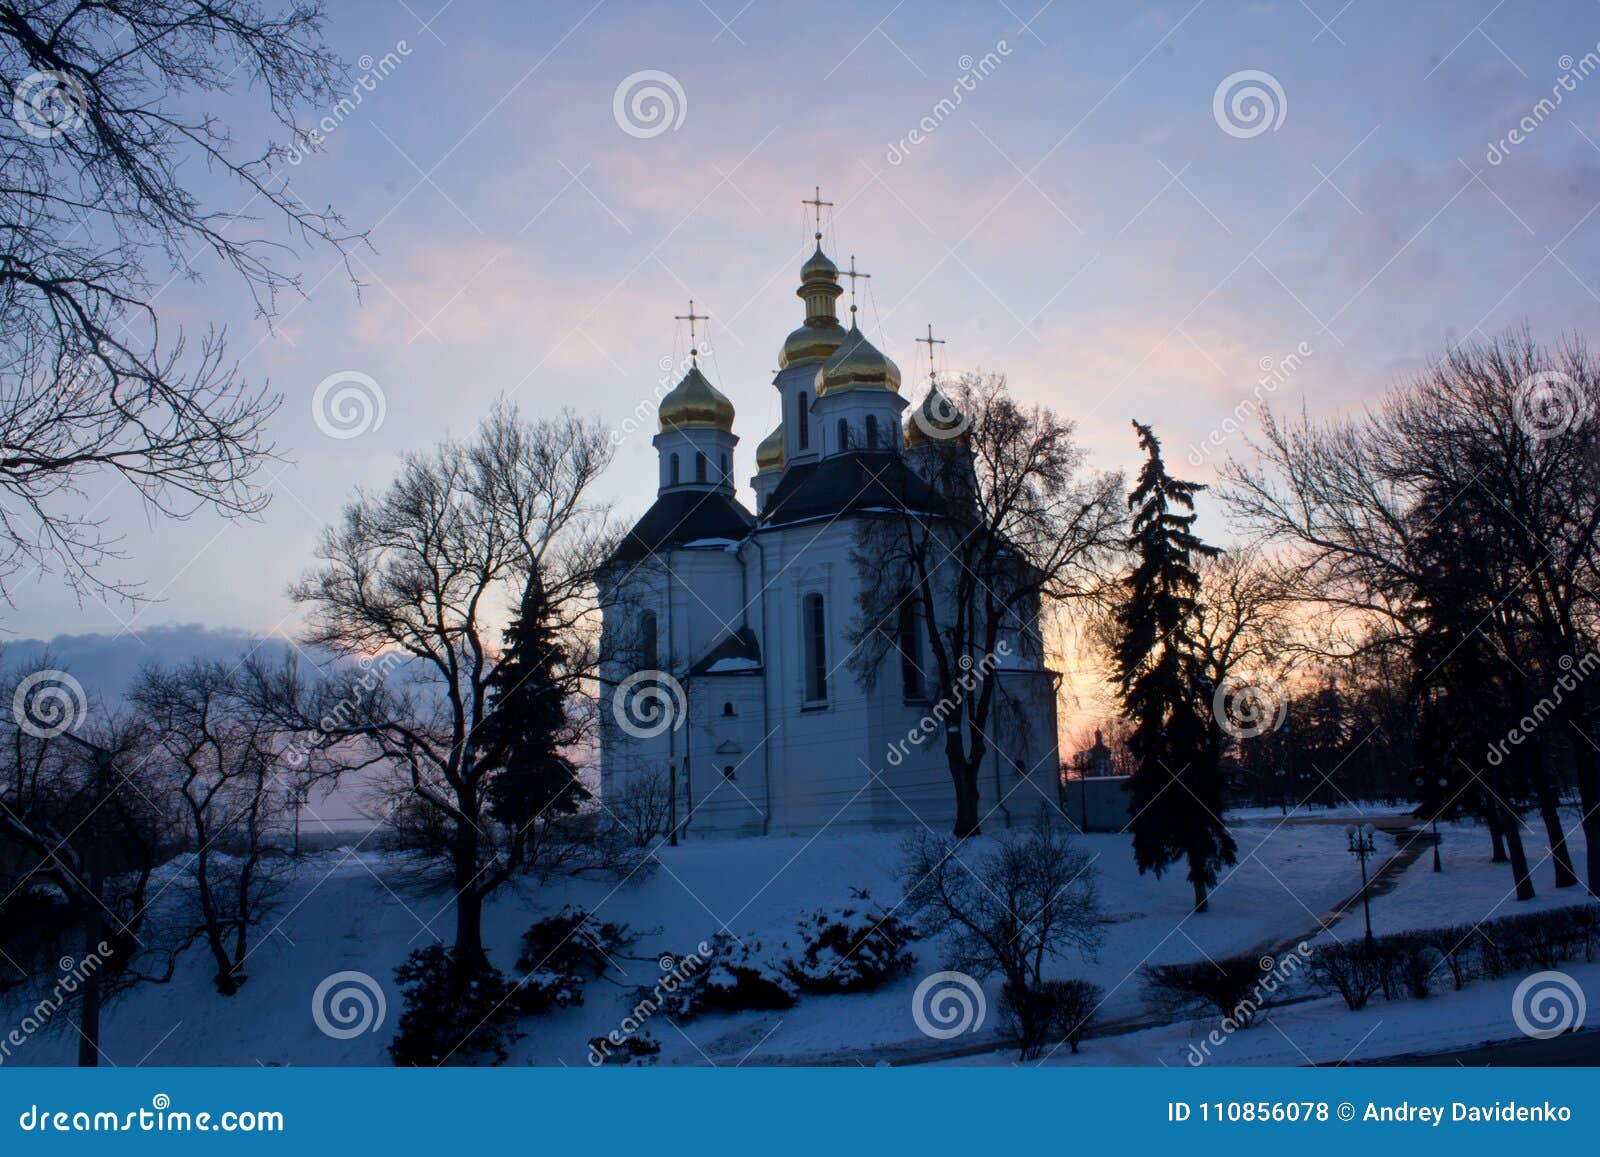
pixel 1469 888
pixel 346 911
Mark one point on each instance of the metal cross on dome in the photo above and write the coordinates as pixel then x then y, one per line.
pixel 817 202
pixel 691 317
pixel 930 341
pixel 854 276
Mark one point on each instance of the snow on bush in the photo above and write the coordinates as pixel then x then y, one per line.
pixel 737 976
pixel 849 948
pixel 454 1012
pixel 639 1049
pixel 561 953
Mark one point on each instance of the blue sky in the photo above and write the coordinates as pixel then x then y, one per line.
pixel 1081 221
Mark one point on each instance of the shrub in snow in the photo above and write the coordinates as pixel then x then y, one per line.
pixel 1053 1012
pixel 1351 970
pixel 1005 905
pixel 1456 953
pixel 1544 939
pixel 853 948
pixel 1405 962
pixel 1230 987
pixel 639 1049
pixel 560 953
pixel 542 990
pixel 454 1012
pixel 733 976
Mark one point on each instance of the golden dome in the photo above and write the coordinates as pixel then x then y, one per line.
pixel 857 365
pixel 811 343
pixel 819 266
pixel 695 402
pixel 934 419
pixel 769 454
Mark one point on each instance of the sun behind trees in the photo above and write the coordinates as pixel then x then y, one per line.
pixel 1453 525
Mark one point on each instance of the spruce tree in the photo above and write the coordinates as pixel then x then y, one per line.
pixel 527 721
pixel 1176 741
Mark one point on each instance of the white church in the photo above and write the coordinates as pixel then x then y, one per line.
pixel 731 702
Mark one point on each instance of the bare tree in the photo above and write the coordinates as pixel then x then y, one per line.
pixel 82 814
pixel 218 741
pixel 1461 512
pixel 431 566
pixel 1011 909
pixel 100 210
pixel 1004 519
pixel 1243 620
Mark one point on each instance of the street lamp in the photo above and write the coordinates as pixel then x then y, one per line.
pixel 1361 846
pixel 1437 865
pixel 1422 784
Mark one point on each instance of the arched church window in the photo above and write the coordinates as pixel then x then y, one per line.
pixel 727 708
pixel 844 434
pixel 647 639
pixel 673 470
pixel 727 771
pixel 803 423
pixel 814 627
pixel 872 431
pixel 910 642
pixel 699 467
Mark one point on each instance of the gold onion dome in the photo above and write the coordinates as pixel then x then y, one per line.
pixel 821 334
pixel 695 403
pixel 811 343
pixel 936 414
pixel 819 266
pixel 857 365
pixel 769 454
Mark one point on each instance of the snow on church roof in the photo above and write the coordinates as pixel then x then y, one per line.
pixel 736 654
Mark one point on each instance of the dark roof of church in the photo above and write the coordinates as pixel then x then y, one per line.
pixel 864 480
pixel 739 645
pixel 683 516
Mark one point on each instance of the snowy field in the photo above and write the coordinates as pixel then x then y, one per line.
pixel 345 910
pixel 1322 1031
